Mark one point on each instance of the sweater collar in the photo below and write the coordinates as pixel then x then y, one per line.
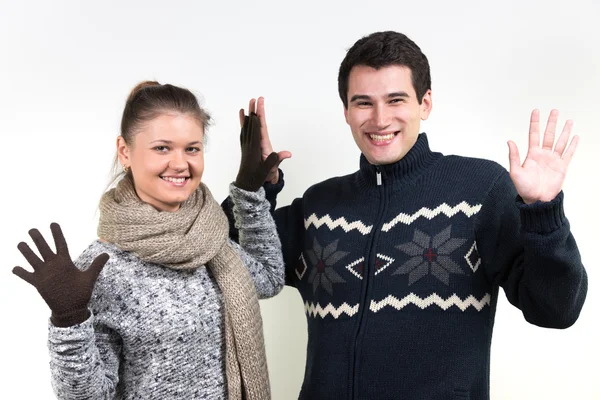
pixel 418 159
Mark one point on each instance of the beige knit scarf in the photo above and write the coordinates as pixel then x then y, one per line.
pixel 193 236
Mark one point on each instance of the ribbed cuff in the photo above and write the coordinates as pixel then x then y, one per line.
pixel 247 198
pixel 542 217
pixel 60 331
pixel 74 317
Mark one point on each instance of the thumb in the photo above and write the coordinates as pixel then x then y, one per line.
pixel 284 154
pixel 25 275
pixel 94 270
pixel 270 162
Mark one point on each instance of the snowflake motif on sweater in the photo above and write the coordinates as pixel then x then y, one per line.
pixel 430 255
pixel 323 260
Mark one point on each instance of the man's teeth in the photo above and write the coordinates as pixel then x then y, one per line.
pixel 381 138
pixel 174 180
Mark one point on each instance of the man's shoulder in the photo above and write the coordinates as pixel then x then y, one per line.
pixel 472 161
pixel 336 183
pixel 472 165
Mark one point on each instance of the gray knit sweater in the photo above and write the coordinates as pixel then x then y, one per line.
pixel 155 332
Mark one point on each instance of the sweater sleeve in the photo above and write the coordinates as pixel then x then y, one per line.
pixel 530 251
pixel 290 226
pixel 260 246
pixel 84 361
pixel 271 192
pixel 289 221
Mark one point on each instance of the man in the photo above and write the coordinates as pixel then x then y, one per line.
pixel 399 264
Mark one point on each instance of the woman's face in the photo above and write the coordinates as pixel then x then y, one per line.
pixel 166 159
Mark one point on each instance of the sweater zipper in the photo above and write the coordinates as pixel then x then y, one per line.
pixel 365 297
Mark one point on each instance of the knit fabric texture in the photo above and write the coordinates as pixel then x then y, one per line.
pixel 399 267
pixel 158 332
pixel 196 234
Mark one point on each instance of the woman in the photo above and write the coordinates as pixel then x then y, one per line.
pixel 163 305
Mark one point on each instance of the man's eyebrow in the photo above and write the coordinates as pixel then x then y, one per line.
pixel 359 97
pixel 398 94
pixel 389 95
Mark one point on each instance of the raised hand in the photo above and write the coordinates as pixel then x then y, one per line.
pixel 253 169
pixel 543 172
pixel 258 107
pixel 66 289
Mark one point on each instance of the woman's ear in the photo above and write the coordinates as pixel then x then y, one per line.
pixel 123 152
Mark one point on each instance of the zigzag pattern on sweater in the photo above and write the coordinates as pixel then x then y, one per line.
pixel 339 222
pixel 314 310
pixel 428 213
pixel 433 298
pixel 403 218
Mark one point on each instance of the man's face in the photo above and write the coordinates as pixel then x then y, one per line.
pixel 384 113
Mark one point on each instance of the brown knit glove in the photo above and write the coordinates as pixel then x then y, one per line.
pixel 253 170
pixel 65 288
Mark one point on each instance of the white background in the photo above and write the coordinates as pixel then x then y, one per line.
pixel 67 67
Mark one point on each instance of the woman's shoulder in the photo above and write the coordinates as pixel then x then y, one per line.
pixel 119 262
pixel 98 247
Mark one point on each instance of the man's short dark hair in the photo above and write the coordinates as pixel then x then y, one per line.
pixel 384 49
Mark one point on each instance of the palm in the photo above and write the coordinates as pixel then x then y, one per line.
pixel 543 172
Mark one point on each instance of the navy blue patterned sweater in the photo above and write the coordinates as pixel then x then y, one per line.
pixel 399 268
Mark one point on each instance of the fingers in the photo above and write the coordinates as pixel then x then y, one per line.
pixel 244 131
pixel 534 129
pixel 570 152
pixel 513 156
pixel 260 111
pixel 251 109
pixel 254 133
pixel 25 275
pixel 94 270
pixel 563 139
pixel 59 239
pixel 241 115
pixel 264 131
pixel 550 131
pixel 30 256
pixel 41 244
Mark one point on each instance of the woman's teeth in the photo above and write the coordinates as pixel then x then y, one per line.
pixel 174 180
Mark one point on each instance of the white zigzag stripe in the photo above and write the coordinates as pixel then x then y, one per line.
pixel 341 221
pixel 313 310
pixel 443 208
pixel 453 300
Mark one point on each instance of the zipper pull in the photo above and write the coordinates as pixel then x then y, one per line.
pixel 378 178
